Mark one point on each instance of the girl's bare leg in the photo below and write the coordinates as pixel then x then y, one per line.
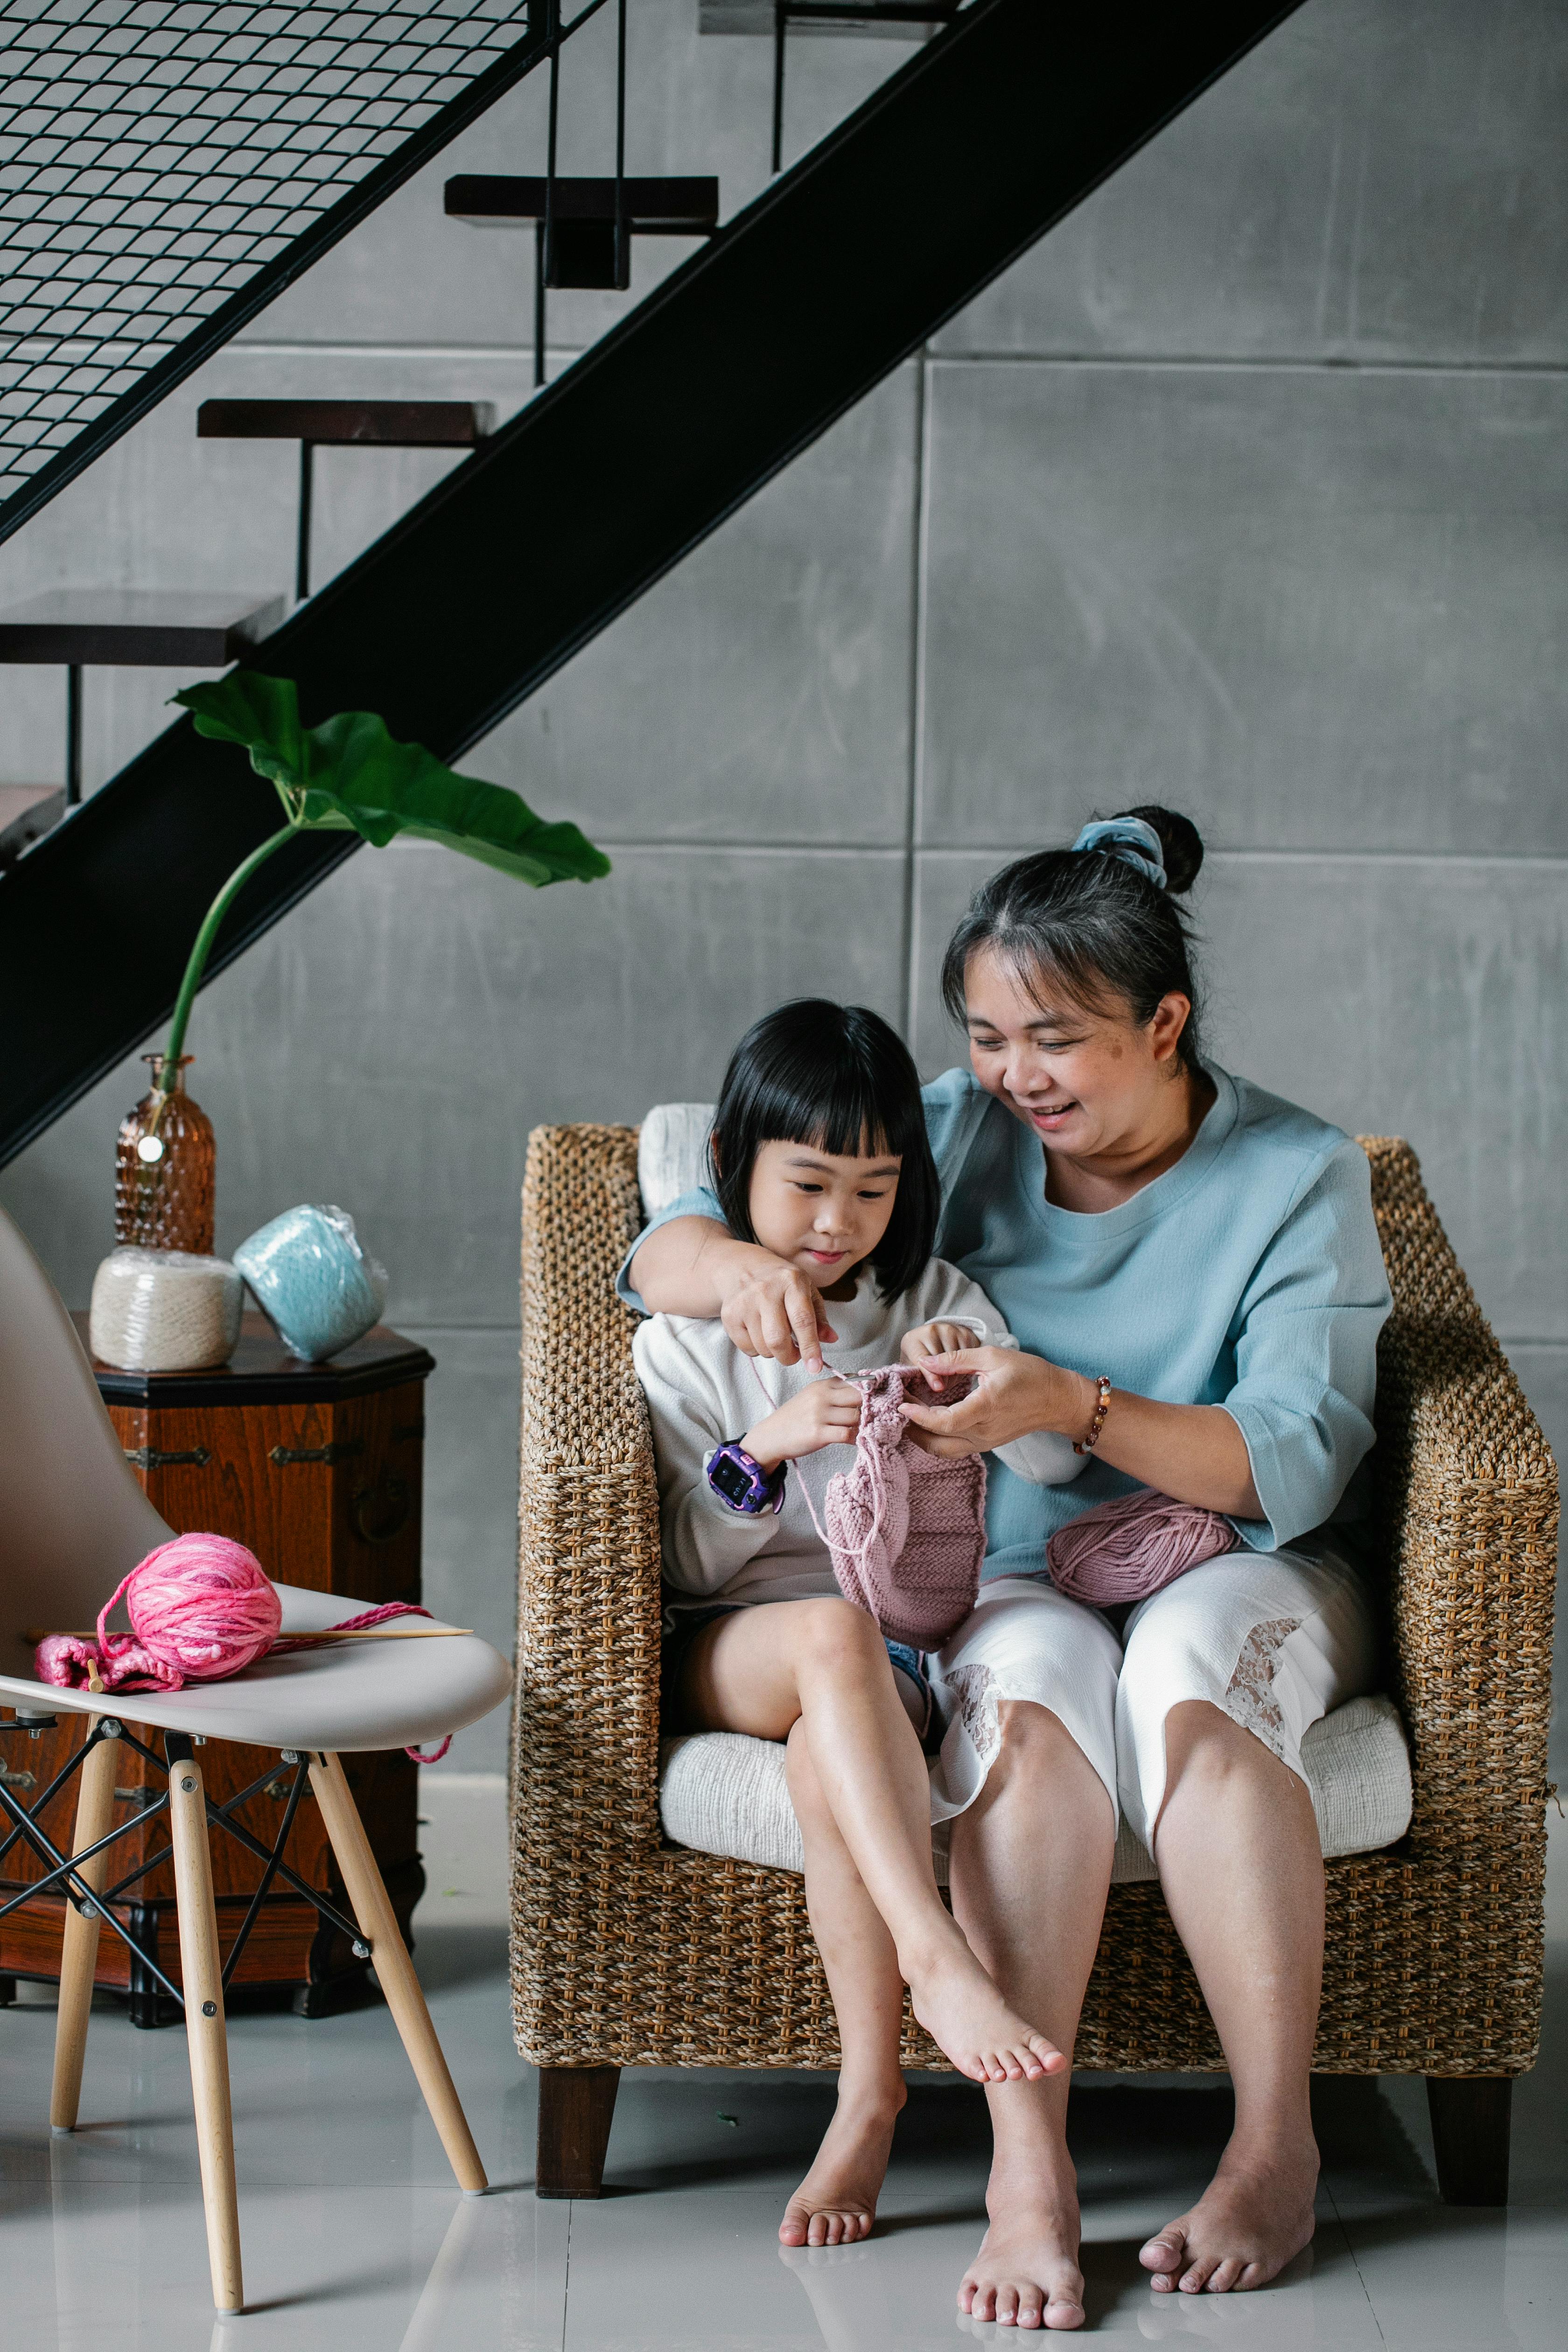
pixel 836 2202
pixel 822 1662
pixel 1254 1931
pixel 1031 1865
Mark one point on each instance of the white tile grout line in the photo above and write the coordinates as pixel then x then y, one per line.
pixel 684 845
pixel 415 1331
pixel 916 716
pixel 1349 2243
pixel 1240 364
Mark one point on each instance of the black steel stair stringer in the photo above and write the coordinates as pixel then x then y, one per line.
pixel 762 339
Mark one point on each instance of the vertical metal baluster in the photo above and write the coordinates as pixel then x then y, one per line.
pixel 73 734
pixel 303 548
pixel 538 304
pixel 550 159
pixel 623 242
pixel 781 22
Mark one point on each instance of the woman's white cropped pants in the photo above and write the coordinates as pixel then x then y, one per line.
pixel 1275 1639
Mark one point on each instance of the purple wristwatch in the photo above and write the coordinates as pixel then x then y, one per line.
pixel 743 1484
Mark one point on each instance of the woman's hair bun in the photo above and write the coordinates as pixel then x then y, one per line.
pixel 1180 843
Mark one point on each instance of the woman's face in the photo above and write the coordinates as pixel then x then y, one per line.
pixel 1090 1084
pixel 823 1212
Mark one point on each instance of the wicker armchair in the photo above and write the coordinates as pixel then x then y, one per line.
pixel 630 1951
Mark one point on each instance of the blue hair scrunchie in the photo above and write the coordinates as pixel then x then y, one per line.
pixel 1130 838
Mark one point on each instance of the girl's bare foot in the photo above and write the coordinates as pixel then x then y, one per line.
pixel 836 2204
pixel 965 2016
pixel 1249 2221
pixel 1025 2274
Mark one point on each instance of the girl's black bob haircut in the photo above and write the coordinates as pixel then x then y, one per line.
pixel 837 1078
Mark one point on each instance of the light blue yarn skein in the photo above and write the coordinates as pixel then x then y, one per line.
pixel 318 1285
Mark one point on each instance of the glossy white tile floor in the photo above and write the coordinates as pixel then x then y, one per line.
pixel 356 2241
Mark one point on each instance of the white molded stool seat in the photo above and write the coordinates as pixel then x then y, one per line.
pixel 346 1695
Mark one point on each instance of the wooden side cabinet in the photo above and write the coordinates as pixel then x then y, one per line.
pixel 318 1469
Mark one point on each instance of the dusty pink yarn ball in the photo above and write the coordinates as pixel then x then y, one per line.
pixel 202 1605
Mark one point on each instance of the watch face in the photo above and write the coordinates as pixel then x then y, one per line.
pixel 731 1480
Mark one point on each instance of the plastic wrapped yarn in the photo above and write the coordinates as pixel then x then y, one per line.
pixel 1125 1549
pixel 165 1311
pixel 315 1281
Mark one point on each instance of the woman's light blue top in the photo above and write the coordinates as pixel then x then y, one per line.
pixel 1248 1276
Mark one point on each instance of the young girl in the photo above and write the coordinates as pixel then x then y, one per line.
pixel 819 1154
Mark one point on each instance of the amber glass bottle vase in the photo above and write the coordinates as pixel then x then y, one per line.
pixel 165 1174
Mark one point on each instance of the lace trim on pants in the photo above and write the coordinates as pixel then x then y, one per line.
pixel 975 1691
pixel 1249 1697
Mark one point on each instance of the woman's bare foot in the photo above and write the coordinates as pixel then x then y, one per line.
pixel 965 2016
pixel 836 2203
pixel 1025 2274
pixel 1253 2216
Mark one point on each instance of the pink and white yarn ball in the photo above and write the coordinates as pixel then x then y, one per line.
pixel 201 1608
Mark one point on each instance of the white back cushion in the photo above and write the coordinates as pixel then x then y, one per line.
pixel 672 1152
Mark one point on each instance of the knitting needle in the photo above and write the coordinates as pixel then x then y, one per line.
pixel 32 1635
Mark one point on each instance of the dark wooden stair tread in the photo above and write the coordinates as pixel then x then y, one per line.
pixel 206 627
pixel 653 207
pixel 386 423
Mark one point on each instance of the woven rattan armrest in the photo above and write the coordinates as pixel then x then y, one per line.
pixel 588 1611
pixel 1467 1504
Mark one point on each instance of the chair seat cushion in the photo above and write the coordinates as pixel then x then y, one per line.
pixel 723 1793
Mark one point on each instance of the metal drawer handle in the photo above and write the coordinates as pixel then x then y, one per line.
pixel 147 1457
pixel 336 1452
pixel 380 1512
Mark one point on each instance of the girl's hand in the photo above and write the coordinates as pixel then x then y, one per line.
pixel 1014 1395
pixel 930 1339
pixel 770 1308
pixel 825 1414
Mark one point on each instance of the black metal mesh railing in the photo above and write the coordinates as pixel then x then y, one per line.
pixel 158 162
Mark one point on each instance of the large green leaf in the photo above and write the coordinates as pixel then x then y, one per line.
pixel 348 773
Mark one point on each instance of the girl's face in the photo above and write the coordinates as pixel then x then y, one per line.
pixel 1091 1085
pixel 823 1212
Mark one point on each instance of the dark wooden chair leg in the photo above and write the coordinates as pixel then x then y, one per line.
pixel 576 2108
pixel 1470 2133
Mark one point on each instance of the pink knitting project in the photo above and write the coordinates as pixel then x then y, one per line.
pixel 1125 1549
pixel 905 1529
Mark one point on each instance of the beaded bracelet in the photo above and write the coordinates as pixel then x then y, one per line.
pixel 1102 1407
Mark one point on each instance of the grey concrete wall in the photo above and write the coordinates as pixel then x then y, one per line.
pixel 1246 490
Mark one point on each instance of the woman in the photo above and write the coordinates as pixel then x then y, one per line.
pixel 1193 1270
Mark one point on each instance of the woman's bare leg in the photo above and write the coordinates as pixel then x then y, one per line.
pixel 1031 1865
pixel 822 1662
pixel 1254 1929
pixel 836 2202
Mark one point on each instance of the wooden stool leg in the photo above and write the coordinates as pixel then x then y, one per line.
pixel 1470 2115
pixel 206 2035
pixel 395 1970
pixel 78 1957
pixel 576 2108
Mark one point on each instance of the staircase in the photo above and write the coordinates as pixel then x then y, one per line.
pixel 990 133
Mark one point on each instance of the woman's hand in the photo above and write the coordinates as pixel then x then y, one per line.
pixel 1194 1452
pixel 1013 1395
pixel 825 1414
pixel 770 1308
pixel 930 1339
pixel 689 1266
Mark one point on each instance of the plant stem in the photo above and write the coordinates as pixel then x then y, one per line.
pixel 198 958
